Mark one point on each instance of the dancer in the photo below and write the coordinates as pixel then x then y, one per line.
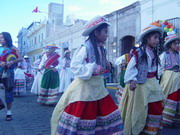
pixel 86 106
pixel 170 81
pixel 141 103
pixel 66 75
pixel 50 81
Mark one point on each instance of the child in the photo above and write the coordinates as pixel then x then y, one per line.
pixel 141 102
pixel 66 75
pixel 19 80
pixel 86 106
pixel 49 90
pixel 170 83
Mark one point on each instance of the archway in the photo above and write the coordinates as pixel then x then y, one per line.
pixel 127 43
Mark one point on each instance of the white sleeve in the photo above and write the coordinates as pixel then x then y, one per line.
pixel 79 66
pixel 162 64
pixel 120 60
pixel 131 71
pixel 58 67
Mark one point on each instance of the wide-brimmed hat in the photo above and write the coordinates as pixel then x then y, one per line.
pixel 169 39
pixel 93 24
pixel 51 46
pixel 149 29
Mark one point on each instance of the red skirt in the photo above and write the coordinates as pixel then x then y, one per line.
pixel 100 117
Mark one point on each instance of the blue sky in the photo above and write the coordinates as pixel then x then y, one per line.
pixel 16 14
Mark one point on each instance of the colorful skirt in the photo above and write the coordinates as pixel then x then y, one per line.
pixel 170 84
pixel 19 85
pixel 86 108
pixel 141 110
pixel 49 88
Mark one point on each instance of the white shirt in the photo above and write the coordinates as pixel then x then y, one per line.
pixel 79 66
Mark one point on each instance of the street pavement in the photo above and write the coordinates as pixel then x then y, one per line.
pixel 30 118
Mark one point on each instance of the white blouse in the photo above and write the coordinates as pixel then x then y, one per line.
pixel 132 71
pixel 79 66
pixel 162 64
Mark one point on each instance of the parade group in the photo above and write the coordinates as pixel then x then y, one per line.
pixel 149 82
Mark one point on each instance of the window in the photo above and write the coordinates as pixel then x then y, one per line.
pixel 42 37
pixel 35 40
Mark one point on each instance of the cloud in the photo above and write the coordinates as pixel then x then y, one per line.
pixel 74 8
pixel 111 2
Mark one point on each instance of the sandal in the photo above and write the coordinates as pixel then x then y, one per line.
pixel 1 107
pixel 8 117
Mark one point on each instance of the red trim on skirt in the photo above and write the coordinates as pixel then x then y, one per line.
pixel 175 96
pixel 91 109
pixel 155 108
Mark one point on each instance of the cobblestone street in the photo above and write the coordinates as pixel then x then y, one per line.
pixel 29 118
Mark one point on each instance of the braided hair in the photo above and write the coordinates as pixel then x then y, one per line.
pixel 95 41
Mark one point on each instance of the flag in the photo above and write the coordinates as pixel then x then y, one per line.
pixel 35 10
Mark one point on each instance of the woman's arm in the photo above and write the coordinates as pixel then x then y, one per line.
pixel 79 66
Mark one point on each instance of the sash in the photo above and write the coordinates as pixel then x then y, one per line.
pixel 52 60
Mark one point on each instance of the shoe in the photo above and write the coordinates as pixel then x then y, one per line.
pixel 8 117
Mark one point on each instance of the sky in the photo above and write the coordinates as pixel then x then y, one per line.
pixel 17 14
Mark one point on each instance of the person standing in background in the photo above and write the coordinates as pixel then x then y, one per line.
pixel 8 68
pixel 66 75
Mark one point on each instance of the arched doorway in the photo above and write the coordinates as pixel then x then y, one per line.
pixel 127 43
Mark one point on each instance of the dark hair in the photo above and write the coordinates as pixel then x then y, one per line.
pixel 95 41
pixel 143 47
pixel 7 38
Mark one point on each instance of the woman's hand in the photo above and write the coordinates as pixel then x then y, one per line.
pixel 133 85
pixel 54 69
pixel 99 70
pixel 9 63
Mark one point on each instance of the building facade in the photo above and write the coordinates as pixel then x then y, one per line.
pixel 124 29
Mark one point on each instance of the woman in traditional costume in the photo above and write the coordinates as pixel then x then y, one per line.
pixel 50 81
pixel 86 107
pixel 35 89
pixel 141 103
pixel 66 75
pixel 170 81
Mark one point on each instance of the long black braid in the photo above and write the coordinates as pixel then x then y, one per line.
pixel 95 41
pixel 143 48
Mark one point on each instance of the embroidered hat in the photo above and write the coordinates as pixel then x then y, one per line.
pixel 169 39
pixel 149 29
pixel 50 46
pixel 93 24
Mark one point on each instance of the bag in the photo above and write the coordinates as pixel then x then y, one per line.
pixel 8 79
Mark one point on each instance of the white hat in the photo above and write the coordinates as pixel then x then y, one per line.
pixel 149 29
pixel 170 38
pixel 26 57
pixel 93 24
